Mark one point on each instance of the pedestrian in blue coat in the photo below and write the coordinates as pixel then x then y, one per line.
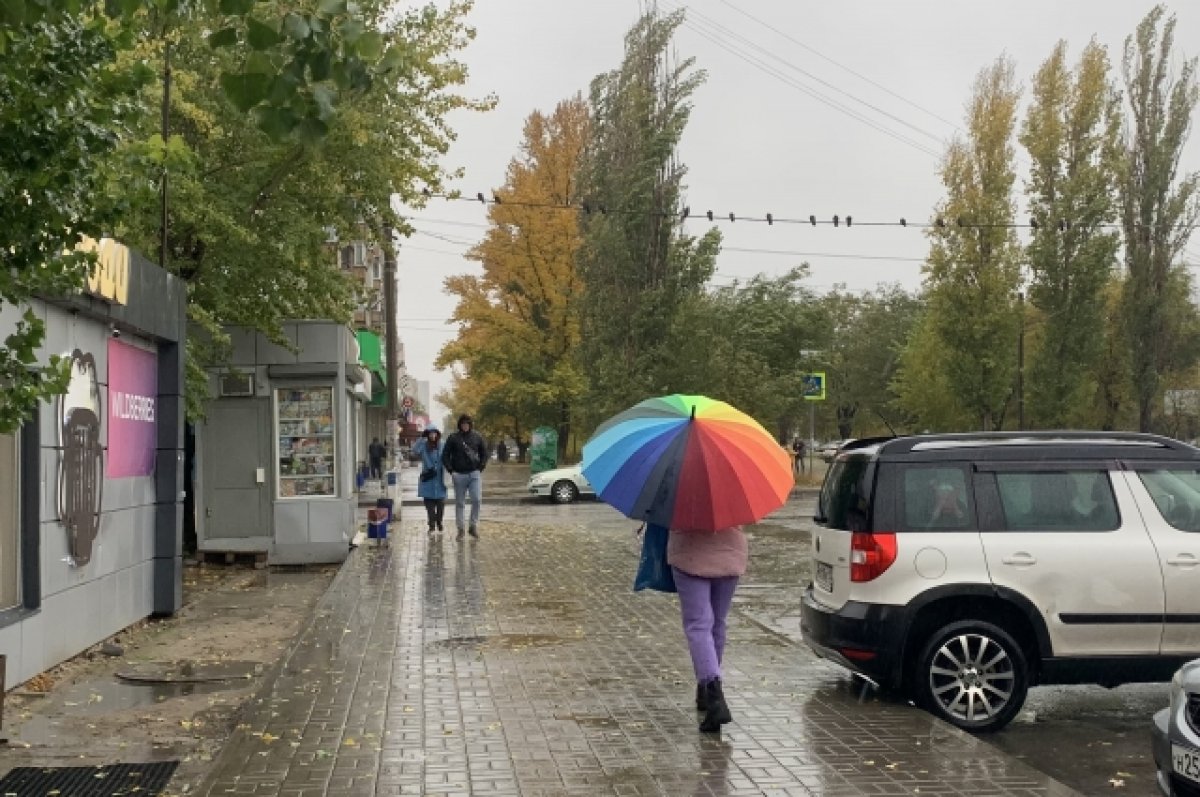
pixel 432 486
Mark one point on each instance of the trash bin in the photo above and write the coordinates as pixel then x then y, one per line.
pixel 377 524
pixel 386 504
pixel 391 478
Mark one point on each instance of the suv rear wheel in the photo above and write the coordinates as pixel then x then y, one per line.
pixel 972 674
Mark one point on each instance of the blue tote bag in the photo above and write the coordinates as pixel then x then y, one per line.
pixel 653 570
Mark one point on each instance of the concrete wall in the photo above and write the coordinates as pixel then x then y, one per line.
pixel 136 565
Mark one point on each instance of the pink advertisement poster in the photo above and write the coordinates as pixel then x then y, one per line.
pixel 132 405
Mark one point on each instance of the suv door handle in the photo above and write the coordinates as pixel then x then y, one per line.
pixel 1020 559
pixel 1184 560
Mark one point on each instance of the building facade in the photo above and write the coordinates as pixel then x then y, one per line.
pixel 91 488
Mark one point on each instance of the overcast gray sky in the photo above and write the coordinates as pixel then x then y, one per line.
pixel 759 141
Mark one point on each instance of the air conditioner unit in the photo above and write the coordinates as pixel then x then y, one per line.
pixel 237 385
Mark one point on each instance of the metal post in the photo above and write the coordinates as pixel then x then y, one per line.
pixel 166 130
pixel 1021 362
pixel 812 436
pixel 389 310
pixel 3 686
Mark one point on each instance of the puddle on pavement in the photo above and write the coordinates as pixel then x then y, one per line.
pixel 498 642
pixel 191 672
pixel 103 697
pixel 590 722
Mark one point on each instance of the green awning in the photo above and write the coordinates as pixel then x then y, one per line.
pixel 370 354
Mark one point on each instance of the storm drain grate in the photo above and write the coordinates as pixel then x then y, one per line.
pixel 116 780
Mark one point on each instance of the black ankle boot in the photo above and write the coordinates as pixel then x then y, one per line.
pixel 701 698
pixel 717 712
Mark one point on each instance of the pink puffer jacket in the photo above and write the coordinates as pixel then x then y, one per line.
pixel 708 554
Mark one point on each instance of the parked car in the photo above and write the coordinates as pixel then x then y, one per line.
pixel 827 451
pixel 960 570
pixel 562 486
pixel 1176 735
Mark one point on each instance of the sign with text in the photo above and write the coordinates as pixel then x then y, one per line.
pixel 132 410
pixel 109 280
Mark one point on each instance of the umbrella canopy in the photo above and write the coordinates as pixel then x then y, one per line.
pixel 688 463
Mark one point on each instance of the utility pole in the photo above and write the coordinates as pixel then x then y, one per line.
pixel 166 131
pixel 392 343
pixel 1021 361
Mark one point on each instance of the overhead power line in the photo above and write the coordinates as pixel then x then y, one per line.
pixel 840 65
pixel 804 89
pixel 770 219
pixel 694 19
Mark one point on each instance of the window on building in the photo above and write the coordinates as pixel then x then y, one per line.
pixel 347 257
pixel 10 522
pixel 1064 501
pixel 306 442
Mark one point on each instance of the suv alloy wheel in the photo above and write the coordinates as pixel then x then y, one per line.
pixel 972 674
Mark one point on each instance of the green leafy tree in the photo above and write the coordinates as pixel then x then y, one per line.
pixel 1159 205
pixel 250 210
pixel 1071 133
pixel 973 270
pixel 741 343
pixel 638 265
pixel 63 102
pixel 868 334
pixel 71 72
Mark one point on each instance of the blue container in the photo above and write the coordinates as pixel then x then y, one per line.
pixel 391 478
pixel 377 531
pixel 360 479
pixel 385 503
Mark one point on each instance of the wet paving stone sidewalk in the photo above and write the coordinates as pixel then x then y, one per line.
pixel 523 664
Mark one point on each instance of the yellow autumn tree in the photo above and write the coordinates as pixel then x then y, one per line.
pixel 519 320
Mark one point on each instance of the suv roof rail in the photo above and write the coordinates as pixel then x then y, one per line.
pixel 904 445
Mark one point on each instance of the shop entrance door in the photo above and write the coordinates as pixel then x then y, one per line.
pixel 235 446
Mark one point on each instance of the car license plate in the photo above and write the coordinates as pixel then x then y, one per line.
pixel 824 577
pixel 1186 762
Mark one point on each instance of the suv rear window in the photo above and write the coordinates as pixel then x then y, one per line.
pixel 846 495
pixel 936 498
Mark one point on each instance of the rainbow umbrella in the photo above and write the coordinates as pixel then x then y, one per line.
pixel 688 463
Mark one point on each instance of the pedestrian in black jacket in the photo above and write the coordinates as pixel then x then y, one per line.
pixel 465 457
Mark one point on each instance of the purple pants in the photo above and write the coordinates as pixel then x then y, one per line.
pixel 705 604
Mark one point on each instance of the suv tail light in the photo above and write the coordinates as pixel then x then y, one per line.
pixel 871 554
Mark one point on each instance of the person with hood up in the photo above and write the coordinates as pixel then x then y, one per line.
pixel 466 456
pixel 431 486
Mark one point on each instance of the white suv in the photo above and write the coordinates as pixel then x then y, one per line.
pixel 962 569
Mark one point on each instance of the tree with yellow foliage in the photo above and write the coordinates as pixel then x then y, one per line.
pixel 519 319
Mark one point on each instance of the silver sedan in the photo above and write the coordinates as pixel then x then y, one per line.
pixel 1177 735
pixel 562 486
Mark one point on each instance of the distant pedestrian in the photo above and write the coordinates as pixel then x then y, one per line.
pixel 502 452
pixel 798 450
pixel 466 457
pixel 707 566
pixel 431 485
pixel 375 453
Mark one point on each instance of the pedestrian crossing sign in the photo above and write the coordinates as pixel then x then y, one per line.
pixel 814 386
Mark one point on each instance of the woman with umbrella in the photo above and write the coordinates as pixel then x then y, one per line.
pixel 707 566
pixel 702 469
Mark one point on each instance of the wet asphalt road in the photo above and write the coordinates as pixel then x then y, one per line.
pixel 1092 739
